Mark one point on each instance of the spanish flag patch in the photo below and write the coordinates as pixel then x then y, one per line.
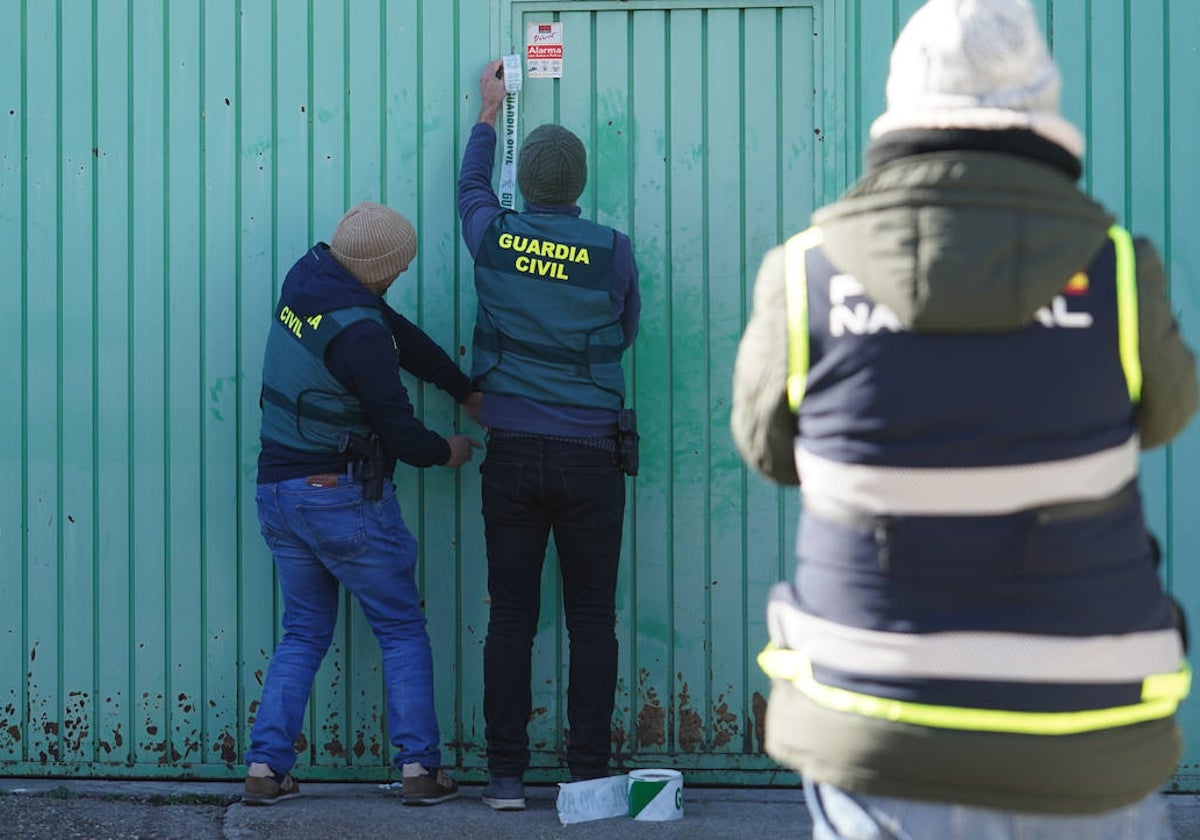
pixel 1077 285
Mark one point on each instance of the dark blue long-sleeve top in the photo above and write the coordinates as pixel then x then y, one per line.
pixel 479 207
pixel 365 360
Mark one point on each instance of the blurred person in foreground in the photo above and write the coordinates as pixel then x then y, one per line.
pixel 959 363
pixel 558 307
pixel 336 419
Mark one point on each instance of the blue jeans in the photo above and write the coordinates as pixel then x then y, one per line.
pixel 530 488
pixel 838 815
pixel 320 537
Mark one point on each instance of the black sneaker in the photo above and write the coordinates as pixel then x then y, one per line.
pixel 505 793
pixel 264 790
pixel 429 788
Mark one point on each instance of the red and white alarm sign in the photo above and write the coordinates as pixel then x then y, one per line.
pixel 544 50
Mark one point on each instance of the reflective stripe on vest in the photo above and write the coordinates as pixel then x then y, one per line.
pixel 795 253
pixel 1127 311
pixel 796 295
pixel 1161 694
pixel 972 654
pixel 968 491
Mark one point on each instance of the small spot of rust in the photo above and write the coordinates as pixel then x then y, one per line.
pixel 725 723
pixel 258 675
pixel 117 739
pixel 651 725
pixel 619 738
pixel 335 748
pixel 50 727
pixel 301 744
pixel 151 730
pixel 758 707
pixel 360 746
pixel 33 653
pixel 14 732
pixel 253 706
pixel 691 730
pixel 226 746
pixel 651 720
pixel 540 710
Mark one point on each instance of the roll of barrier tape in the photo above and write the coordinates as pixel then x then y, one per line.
pixel 656 795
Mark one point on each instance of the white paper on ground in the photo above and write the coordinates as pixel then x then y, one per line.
pixel 595 799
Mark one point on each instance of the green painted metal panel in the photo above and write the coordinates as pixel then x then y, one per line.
pixel 162 165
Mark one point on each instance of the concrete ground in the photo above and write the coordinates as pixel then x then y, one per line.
pixel 58 809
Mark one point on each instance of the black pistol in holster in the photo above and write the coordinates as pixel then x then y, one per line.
pixel 368 464
pixel 627 441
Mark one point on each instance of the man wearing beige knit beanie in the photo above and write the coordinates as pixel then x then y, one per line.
pixel 336 419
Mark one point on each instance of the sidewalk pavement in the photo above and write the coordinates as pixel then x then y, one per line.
pixel 67 809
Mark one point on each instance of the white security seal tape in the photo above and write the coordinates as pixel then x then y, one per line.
pixel 656 795
pixel 595 799
pixel 508 160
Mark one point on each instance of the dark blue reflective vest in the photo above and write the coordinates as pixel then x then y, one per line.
pixel 972 551
pixel 304 406
pixel 545 328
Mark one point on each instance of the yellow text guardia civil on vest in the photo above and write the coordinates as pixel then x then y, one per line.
pixel 543 257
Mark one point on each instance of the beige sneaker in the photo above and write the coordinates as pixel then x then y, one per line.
pixel 264 790
pixel 429 788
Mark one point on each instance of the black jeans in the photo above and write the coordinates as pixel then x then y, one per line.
pixel 532 486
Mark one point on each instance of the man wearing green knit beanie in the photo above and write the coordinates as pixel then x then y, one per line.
pixel 558 306
pixel 552 166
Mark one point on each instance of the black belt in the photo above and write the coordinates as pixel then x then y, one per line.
pixel 607 444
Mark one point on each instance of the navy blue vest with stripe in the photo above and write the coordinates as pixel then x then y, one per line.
pixel 957 400
pixel 880 397
pixel 545 329
pixel 304 406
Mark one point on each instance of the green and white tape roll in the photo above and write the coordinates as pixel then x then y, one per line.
pixel 656 795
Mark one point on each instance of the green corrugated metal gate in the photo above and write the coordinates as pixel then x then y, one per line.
pixel 161 166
